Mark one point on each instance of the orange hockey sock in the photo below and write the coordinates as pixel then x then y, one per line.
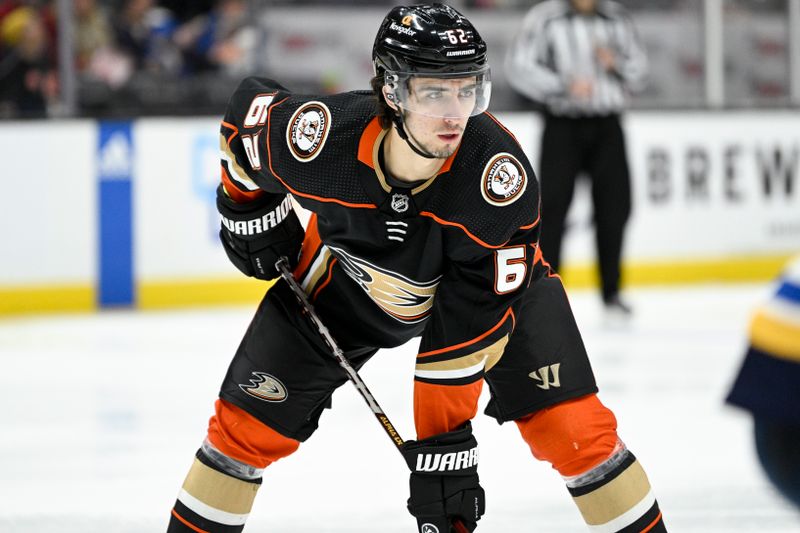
pixel 607 483
pixel 221 486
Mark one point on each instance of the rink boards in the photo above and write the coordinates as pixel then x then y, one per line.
pixel 106 214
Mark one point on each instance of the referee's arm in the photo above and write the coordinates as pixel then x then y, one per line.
pixel 528 68
pixel 631 65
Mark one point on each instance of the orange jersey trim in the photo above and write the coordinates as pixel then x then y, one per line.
pixel 449 161
pixel 462 227
pixel 509 312
pixel 367 143
pixel 235 193
pixel 327 280
pixel 311 243
pixel 295 191
pixel 232 128
pixel 538 256
pixel 468 233
pixel 503 128
pixel 532 224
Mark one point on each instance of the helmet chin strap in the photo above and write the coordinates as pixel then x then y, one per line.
pixel 398 123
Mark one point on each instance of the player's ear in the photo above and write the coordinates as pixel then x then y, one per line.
pixel 389 97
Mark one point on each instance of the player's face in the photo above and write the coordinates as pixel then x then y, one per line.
pixel 443 97
pixel 441 108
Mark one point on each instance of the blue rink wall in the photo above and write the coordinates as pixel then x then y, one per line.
pixel 121 214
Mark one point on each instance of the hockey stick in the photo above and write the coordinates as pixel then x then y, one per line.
pixel 283 267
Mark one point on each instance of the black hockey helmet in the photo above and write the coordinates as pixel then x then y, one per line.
pixel 431 41
pixel 431 38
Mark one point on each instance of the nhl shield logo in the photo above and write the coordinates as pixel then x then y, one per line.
pixel 308 130
pixel 400 203
pixel 429 528
pixel 503 181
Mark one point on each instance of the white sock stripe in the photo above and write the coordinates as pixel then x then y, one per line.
pixel 206 511
pixel 627 518
pixel 395 223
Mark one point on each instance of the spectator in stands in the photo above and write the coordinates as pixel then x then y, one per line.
pixel 92 32
pixel 6 7
pixel 187 9
pixel 223 40
pixel 97 59
pixel 28 81
pixel 579 58
pixel 143 32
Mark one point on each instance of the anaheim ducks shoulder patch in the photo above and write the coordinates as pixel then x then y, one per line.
pixel 503 180
pixel 308 129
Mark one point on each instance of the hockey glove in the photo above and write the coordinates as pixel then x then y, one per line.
pixel 256 234
pixel 444 481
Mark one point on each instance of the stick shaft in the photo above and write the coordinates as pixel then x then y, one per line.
pixel 283 267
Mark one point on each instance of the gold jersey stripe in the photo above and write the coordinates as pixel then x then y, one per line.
pixel 491 354
pixel 318 268
pixel 236 171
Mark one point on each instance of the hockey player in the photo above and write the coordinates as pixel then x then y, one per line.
pixel 425 224
pixel 768 383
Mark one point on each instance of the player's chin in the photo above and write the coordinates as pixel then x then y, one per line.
pixel 443 152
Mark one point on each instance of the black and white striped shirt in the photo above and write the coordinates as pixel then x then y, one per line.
pixel 557 45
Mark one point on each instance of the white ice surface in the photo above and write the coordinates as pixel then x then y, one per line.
pixel 100 416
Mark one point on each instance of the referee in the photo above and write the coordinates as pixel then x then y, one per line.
pixel 580 59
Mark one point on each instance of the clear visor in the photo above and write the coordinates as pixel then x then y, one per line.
pixel 456 95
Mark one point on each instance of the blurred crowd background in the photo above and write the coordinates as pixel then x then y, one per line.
pixel 123 58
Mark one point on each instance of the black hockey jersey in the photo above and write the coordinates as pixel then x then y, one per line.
pixel 446 259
